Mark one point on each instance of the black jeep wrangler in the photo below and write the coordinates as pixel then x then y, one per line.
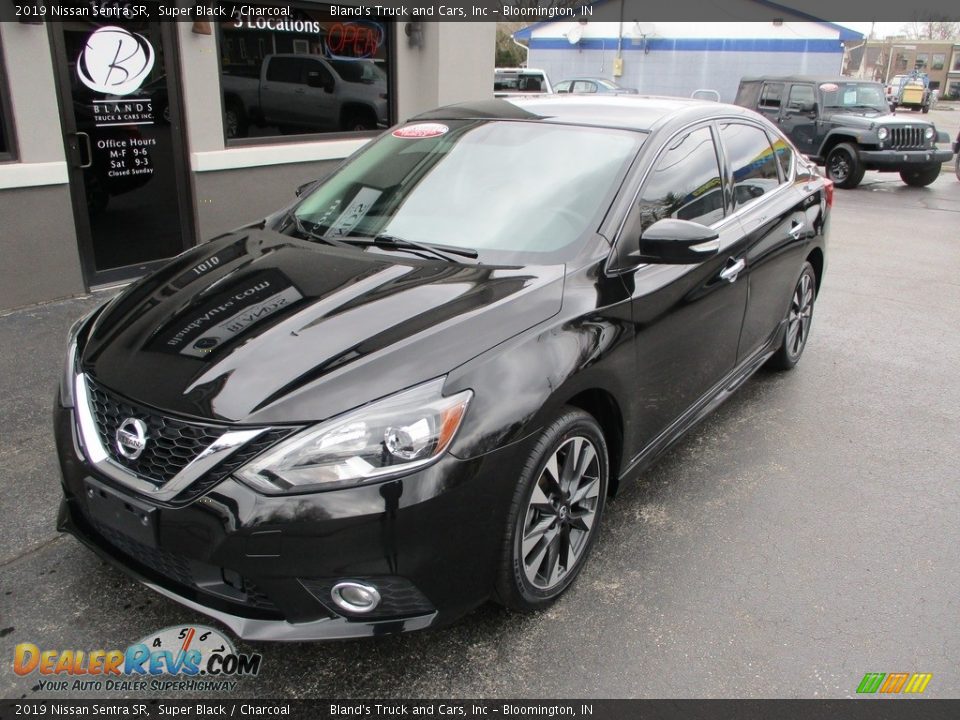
pixel 846 125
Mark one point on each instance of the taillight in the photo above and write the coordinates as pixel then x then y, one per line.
pixel 828 191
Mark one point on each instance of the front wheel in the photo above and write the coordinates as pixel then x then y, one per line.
pixel 555 512
pixel 799 317
pixel 844 166
pixel 920 177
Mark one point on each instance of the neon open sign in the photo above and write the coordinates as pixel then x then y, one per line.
pixel 354 40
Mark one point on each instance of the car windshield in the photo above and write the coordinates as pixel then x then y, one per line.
pixel 516 192
pixel 854 96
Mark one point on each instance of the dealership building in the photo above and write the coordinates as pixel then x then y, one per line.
pixel 679 58
pixel 124 142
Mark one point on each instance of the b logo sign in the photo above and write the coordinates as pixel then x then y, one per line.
pixel 115 61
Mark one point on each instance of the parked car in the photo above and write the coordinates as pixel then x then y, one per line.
pixel 414 389
pixel 520 81
pixel 590 85
pixel 846 126
pixel 304 93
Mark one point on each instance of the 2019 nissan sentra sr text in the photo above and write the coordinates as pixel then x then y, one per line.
pixel 413 390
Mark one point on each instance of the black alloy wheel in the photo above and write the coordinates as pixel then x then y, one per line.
pixel 799 319
pixel 844 166
pixel 555 512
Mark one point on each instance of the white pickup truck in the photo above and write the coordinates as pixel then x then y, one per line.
pixel 305 93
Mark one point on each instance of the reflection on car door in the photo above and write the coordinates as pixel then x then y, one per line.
pixel 318 108
pixel 281 91
pixel 687 317
pixel 771 210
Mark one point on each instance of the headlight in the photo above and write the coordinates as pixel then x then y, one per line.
pixel 882 133
pixel 929 133
pixel 389 437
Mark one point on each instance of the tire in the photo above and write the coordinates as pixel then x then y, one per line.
pixel 358 120
pixel 234 120
pixel 844 166
pixel 799 318
pixel 925 109
pixel 920 177
pixel 545 514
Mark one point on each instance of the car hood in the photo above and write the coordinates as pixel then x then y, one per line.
pixel 872 120
pixel 257 327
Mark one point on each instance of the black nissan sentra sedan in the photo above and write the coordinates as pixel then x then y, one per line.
pixel 413 390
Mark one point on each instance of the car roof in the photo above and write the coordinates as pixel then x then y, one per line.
pixel 806 79
pixel 633 112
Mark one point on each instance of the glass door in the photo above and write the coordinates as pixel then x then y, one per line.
pixel 120 107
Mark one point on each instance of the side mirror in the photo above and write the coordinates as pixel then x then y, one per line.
pixel 676 242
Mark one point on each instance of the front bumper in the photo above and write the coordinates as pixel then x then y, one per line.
pixel 893 160
pixel 264 565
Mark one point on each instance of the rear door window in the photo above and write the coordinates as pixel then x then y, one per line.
pixel 752 161
pixel 770 96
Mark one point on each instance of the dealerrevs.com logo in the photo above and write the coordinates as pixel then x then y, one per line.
pixel 190 658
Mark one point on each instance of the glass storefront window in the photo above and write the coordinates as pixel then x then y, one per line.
pixel 304 73
pixel 6 141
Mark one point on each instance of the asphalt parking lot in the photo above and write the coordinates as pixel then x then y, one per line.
pixel 803 535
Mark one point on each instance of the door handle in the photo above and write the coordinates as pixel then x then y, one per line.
pixel 795 231
pixel 730 272
pixel 86 141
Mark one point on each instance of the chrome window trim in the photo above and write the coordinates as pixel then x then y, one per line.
pixel 97 454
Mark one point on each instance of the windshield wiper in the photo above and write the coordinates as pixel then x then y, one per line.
pixel 313 234
pixel 396 243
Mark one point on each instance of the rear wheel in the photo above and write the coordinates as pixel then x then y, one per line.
pixel 358 119
pixel 555 512
pixel 799 317
pixel 234 120
pixel 921 177
pixel 844 166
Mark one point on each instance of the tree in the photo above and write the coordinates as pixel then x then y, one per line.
pixel 507 52
pixel 932 29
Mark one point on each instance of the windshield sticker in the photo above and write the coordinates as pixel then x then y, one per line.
pixel 356 211
pixel 420 131
pixel 829 87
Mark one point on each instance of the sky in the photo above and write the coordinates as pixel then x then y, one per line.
pixel 881 30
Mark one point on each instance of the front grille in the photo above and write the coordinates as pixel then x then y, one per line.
pixel 235 461
pixel 171 444
pixel 905 138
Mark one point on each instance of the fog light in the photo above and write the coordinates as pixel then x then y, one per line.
pixel 355 597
